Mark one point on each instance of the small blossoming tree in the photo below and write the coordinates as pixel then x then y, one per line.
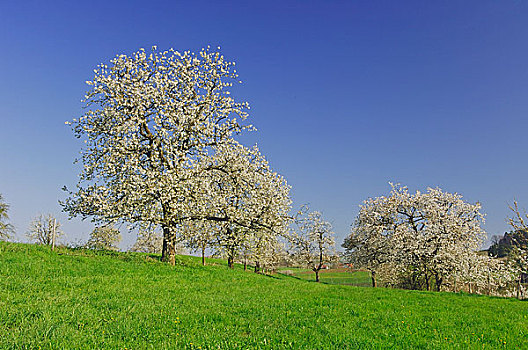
pixel 313 244
pixel 6 229
pixel 45 229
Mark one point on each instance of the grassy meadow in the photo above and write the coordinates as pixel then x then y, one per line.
pixel 342 276
pixel 78 299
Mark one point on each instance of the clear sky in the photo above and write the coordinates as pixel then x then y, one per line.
pixel 346 95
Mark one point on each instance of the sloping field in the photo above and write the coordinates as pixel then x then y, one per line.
pixel 75 299
pixel 343 276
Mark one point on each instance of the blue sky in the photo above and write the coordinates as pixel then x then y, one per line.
pixel 346 96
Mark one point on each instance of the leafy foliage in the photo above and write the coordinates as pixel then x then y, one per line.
pixel 502 246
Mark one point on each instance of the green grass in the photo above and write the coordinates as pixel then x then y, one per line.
pixel 341 276
pixel 75 299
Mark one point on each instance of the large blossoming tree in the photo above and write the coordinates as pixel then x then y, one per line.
pixel 150 118
pixel 424 237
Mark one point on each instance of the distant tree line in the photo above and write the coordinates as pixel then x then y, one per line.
pixel 503 246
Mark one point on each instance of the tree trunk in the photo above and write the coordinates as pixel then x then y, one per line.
pixel 245 264
pixel 489 283
pixel 231 258
pixel 413 283
pixel 373 278
pixel 320 257
pixel 257 267
pixel 168 254
pixel 203 255
pixel 438 282
pixel 519 287
pixel 230 249
pixel 54 234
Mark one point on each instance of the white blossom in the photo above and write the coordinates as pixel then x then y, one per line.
pixel 6 229
pixel 160 151
pixel 313 244
pixel 46 230
pixel 423 236
pixel 104 238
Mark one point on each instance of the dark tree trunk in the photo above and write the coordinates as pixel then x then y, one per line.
pixel 257 267
pixel 373 278
pixel 168 253
pixel 231 258
pixel 438 282
pixel 519 287
pixel 489 283
pixel 245 264
pixel 230 250
pixel 317 274
pixel 320 258
pixel 203 255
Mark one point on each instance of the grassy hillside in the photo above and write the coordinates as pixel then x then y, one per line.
pixel 341 276
pixel 81 300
